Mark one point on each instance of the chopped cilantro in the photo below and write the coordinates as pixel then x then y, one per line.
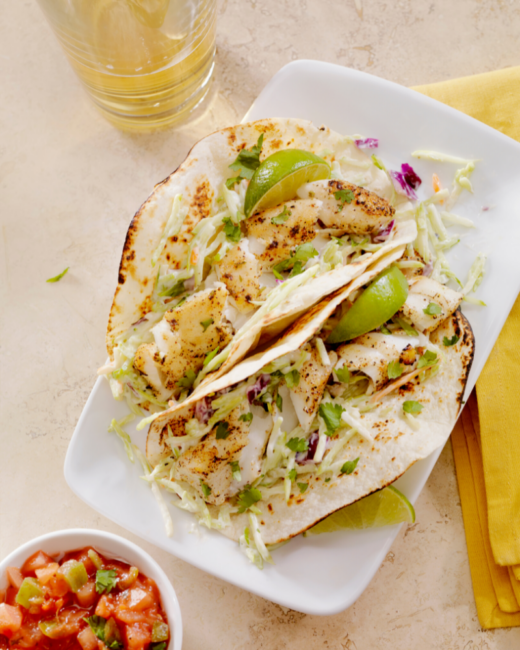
pixel 248 497
pixel 206 323
pixel 394 370
pixel 210 355
pixel 433 309
pixel 187 380
pixel 296 269
pixel 247 161
pixel 293 474
pixel 297 444
pixel 206 490
pixel 278 401
pixel 427 359
pixel 231 230
pixel 230 183
pixel 158 646
pixel 282 217
pixel 246 535
pixel 105 631
pixel 222 431
pixel 304 252
pixel 342 197
pixel 58 277
pixel 411 406
pixel 303 487
pixel 235 469
pixel 331 414
pixel 343 374
pixel 106 580
pixel 298 258
pixel 292 379
pixel 327 480
pixel 246 417
pixel 447 342
pixel 349 466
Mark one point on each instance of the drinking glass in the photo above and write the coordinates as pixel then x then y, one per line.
pixel 145 63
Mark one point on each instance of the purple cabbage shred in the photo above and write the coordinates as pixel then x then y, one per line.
pixel 254 391
pixel 303 457
pixel 406 181
pixel 384 233
pixel 203 410
pixel 367 143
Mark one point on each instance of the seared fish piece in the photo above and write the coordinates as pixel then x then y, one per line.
pixel 184 337
pixel 147 361
pixel 424 291
pixel 240 272
pixel 282 238
pixel 209 461
pixel 371 353
pixel 314 375
pixel 366 214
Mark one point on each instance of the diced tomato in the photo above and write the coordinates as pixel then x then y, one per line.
pixel 2 595
pixel 37 561
pixel 10 620
pixel 87 594
pixel 105 607
pixel 138 635
pixel 87 639
pixel 57 586
pixel 139 599
pixel 14 576
pixel 28 635
pixel 47 572
pixel 68 623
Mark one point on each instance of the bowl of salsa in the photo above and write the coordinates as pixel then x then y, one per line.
pixel 86 590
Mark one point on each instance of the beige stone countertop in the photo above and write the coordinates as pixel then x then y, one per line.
pixel 69 185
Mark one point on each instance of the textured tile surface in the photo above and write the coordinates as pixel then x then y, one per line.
pixel 69 184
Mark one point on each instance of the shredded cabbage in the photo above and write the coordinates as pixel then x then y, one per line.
pixel 322 352
pixel 454 220
pixel 475 275
pixel 167 518
pixel 117 427
pixel 440 157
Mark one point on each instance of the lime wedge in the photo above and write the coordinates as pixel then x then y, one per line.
pixel 383 508
pixel 278 177
pixel 381 300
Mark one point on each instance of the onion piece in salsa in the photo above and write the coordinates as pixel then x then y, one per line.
pixel 83 601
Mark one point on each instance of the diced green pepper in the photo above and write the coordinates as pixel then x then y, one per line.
pixel 75 574
pixel 95 559
pixel 160 631
pixel 54 629
pixel 133 574
pixel 30 593
pixel 112 634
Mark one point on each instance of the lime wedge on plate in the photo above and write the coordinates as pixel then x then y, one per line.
pixel 383 508
pixel 381 300
pixel 279 176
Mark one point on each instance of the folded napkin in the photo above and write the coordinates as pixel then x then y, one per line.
pixel 486 440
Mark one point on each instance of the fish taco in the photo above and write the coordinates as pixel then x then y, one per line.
pixel 363 385
pixel 260 223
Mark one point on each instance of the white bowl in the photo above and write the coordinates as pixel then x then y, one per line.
pixel 113 547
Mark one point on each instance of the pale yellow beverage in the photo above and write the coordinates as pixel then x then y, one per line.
pixel 145 63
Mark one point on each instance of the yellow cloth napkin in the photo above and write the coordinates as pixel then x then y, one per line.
pixel 486 444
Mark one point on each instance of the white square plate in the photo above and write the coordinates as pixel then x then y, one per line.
pixel 327 573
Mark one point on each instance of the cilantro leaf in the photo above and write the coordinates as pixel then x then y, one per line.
pixel 58 277
pixel 427 359
pixel 331 415
pixel 303 487
pixel 211 355
pixel 247 161
pixel 349 466
pixel 433 309
pixel 447 342
pixel 206 323
pixel 187 380
pixel 411 406
pixel 394 370
pixel 282 217
pixel 106 580
pixel 206 490
pixel 304 252
pixel 343 374
pixel 173 291
pixel 297 444
pixel 230 183
pixel 231 230
pixel 248 497
pixel 235 469
pixel 97 625
pixel 299 257
pixel 292 474
pixel 342 197
pixel 158 646
pixel 222 431
pixel 292 379
pixel 278 401
pixel 296 269
pixel 246 417
pixel 106 631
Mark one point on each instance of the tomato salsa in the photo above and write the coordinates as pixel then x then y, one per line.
pixel 82 602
